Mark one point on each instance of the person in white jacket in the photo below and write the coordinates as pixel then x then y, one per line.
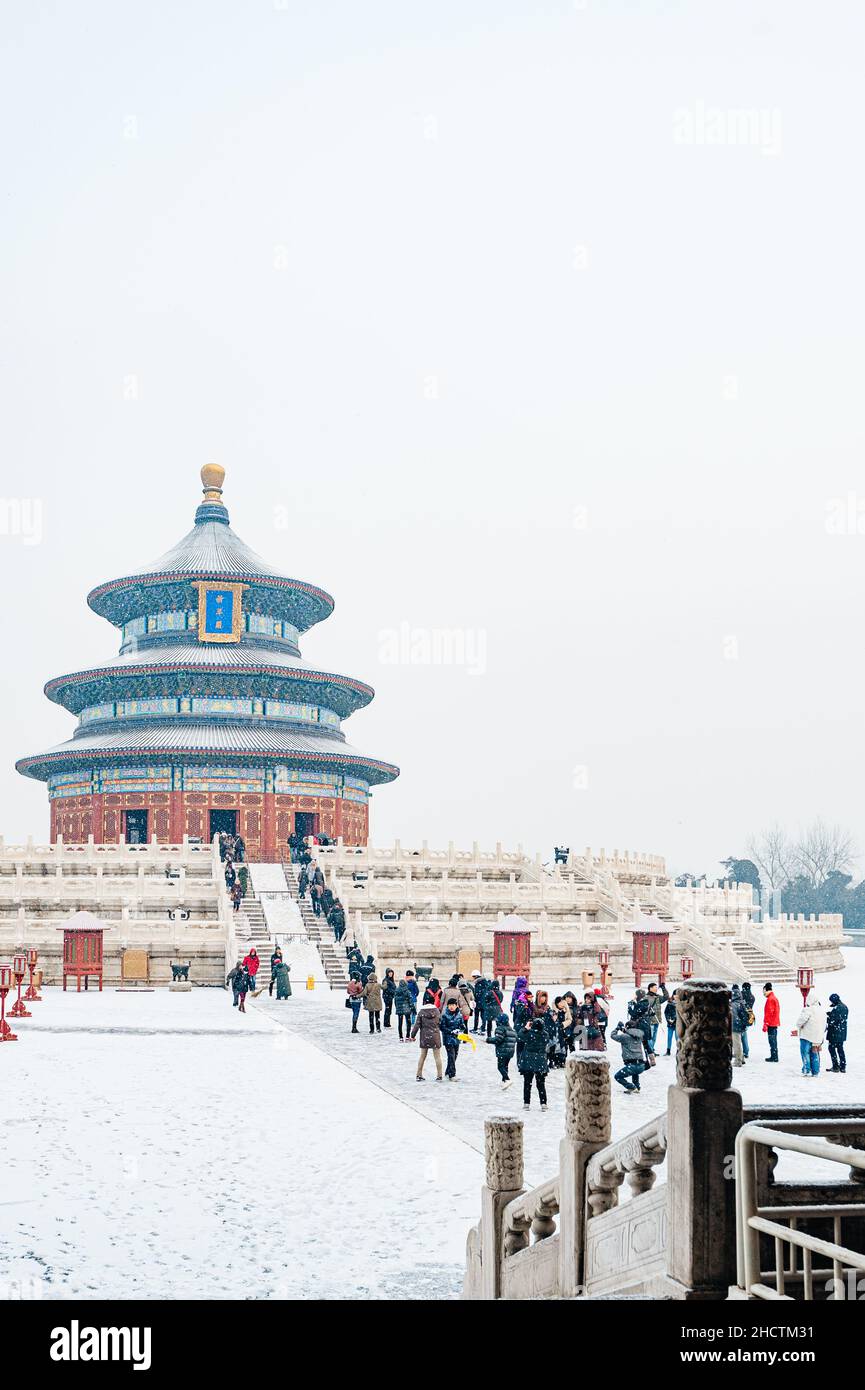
pixel 810 1028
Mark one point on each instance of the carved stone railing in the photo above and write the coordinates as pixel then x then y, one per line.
pixel 531 1215
pixel 634 1159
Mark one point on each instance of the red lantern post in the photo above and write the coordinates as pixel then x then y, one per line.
pixel 687 964
pixel 6 1034
pixel 32 994
pixel 805 981
pixel 19 966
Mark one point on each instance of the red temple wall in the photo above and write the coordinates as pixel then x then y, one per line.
pixel 264 819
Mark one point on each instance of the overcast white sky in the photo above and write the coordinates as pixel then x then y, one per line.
pixel 501 320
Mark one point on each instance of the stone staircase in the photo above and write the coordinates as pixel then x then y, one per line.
pixel 320 934
pixel 252 930
pixel 758 967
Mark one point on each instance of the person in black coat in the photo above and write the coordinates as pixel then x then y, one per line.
pixel 480 986
pixel 239 848
pixel 336 919
pixel 302 883
pixel 836 1032
pixel 451 1025
pixel 506 1043
pixel 670 1020
pixel 367 969
pixel 388 994
pixel 532 1061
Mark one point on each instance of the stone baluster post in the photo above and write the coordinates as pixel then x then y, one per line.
pixel 503 1148
pixel 587 1129
pixel 703 1118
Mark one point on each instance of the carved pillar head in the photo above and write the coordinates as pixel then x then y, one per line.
pixel 704 1059
pixel 587 1099
pixel 503 1147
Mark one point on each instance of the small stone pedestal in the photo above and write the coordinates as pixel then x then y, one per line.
pixel 503 1146
pixel 587 1130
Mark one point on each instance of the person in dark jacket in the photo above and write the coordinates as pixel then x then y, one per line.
pixel 404 1004
pixel 493 996
pixel 302 883
pixel 239 848
pixel 336 920
pixel 836 1032
pixel 283 983
pixel 573 1023
pixel 427 1030
pixel 388 994
pixel 639 1016
pixel 433 992
pixel 275 960
pixel 233 978
pixel 480 986
pixel 633 1041
pixel 739 1022
pixel 367 969
pixel 750 1004
pixel 452 1024
pixel 590 1022
pixel 412 986
pixel 506 1043
pixel 230 875
pixel 532 1061
pixel 670 1020
pixel 326 901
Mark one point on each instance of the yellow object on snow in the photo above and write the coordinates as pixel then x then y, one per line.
pixel 464 1037
pixel 310 982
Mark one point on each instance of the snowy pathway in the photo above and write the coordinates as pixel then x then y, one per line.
pixel 208 1155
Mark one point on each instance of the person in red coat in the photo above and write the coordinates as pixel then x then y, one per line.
pixel 252 961
pixel 771 1020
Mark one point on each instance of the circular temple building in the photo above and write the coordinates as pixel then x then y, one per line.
pixel 208 719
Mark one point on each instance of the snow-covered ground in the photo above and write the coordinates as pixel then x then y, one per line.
pixel 159 1145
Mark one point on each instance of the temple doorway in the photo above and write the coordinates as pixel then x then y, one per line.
pixel 306 823
pixel 135 827
pixel 223 823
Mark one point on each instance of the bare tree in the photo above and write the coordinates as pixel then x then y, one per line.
pixel 821 849
pixel 774 854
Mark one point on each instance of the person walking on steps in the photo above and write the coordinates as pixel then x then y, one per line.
pixel 388 994
pixel 372 1002
pixel 836 1032
pixel 354 991
pixel 427 1030
pixel 632 1040
pixel 533 1061
pixel 771 1020
pixel 452 1025
pixel 506 1046
pixel 403 1004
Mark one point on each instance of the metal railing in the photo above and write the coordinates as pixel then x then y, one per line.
pixel 752 1221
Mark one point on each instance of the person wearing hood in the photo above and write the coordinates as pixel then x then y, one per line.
pixel 388 994
pixel 809 1029
pixel 252 961
pixel 233 978
pixel 404 1005
pixel 283 983
pixel 367 968
pixel 836 1032
pixel 739 1022
pixel 518 991
pixel 532 1061
pixel 492 1006
pixel 372 1002
pixel 427 1030
pixel 506 1043
pixel 468 994
pixel 452 1024
pixel 433 993
pixel 354 992
pixel 302 884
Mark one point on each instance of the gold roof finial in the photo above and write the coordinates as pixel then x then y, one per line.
pixel 213 476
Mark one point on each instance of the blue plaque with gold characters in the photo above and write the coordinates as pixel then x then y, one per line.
pixel 220 611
